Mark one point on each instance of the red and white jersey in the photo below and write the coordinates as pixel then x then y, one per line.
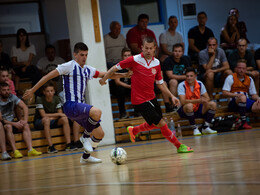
pixel 144 74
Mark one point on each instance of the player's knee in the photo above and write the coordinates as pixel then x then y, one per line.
pixel 95 113
pixel 212 105
pixel 46 120
pixel 188 107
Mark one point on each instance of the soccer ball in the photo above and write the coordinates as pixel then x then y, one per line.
pixel 118 155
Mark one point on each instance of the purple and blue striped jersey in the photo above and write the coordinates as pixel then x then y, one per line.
pixel 75 80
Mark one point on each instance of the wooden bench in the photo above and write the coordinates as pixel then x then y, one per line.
pixel 120 126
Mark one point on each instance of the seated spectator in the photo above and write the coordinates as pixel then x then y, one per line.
pixel 5 155
pixel 4 77
pixel 49 115
pixel 229 34
pixel 7 105
pixel 114 43
pixel 5 62
pixel 174 67
pixel 214 67
pixel 21 56
pixel 50 60
pixel 195 103
pixel 241 25
pixel 243 53
pixel 135 35
pixel 169 38
pixel 238 87
pixel 257 59
pixel 198 37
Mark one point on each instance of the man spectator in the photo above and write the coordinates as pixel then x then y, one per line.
pixel 195 103
pixel 5 62
pixel 198 37
pixel 114 43
pixel 169 38
pixel 214 67
pixel 238 87
pixel 243 53
pixel 135 35
pixel 7 104
pixel 50 62
pixel 174 67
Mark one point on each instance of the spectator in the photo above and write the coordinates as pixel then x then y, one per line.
pixel 214 66
pixel 5 62
pixel 198 37
pixel 174 67
pixel 135 35
pixel 49 115
pixel 243 53
pixel 238 87
pixel 21 56
pixel 114 43
pixel 10 137
pixel 169 38
pixel 49 61
pixel 7 104
pixel 257 58
pixel 195 103
pixel 240 25
pixel 4 77
pixel 229 34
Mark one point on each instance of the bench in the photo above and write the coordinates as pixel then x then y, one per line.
pixel 120 125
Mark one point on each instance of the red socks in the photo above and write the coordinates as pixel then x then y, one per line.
pixel 170 136
pixel 143 127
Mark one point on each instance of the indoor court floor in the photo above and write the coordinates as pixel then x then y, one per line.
pixel 225 163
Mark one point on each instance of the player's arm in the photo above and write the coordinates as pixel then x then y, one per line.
pixel 106 75
pixel 164 89
pixel 29 93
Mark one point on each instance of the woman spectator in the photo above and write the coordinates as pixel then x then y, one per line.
pixel 230 34
pixel 21 57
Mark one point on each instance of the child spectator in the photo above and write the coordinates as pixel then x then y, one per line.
pixel 4 77
pixel 49 115
pixel 8 102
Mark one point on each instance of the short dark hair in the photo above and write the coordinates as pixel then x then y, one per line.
pixel 49 46
pixel 4 84
pixel 200 13
pixel 149 40
pixel 48 84
pixel 142 16
pixel 22 31
pixel 113 23
pixel 190 69
pixel 242 61
pixel 3 69
pixel 177 45
pixel 213 38
pixel 173 16
pixel 80 46
pixel 125 49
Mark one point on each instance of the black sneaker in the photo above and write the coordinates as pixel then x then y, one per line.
pixel 78 144
pixel 71 147
pixel 52 149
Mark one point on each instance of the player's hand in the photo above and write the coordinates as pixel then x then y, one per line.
pixel 102 82
pixel 28 94
pixel 129 74
pixel 18 125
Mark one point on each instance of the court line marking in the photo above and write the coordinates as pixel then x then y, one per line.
pixel 134 145
pixel 133 183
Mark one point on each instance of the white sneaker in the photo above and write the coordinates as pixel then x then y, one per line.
pixel 196 132
pixel 86 143
pixel 90 159
pixel 208 130
pixel 6 156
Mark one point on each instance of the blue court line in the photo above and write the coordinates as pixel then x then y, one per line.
pixel 134 145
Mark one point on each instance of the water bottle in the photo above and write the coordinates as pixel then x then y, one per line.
pixel 171 126
pixel 179 131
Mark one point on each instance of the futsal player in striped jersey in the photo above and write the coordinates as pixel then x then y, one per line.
pixel 147 70
pixel 75 75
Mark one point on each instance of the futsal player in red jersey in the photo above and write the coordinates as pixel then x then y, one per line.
pixel 147 70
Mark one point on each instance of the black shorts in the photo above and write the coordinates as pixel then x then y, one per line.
pixel 150 110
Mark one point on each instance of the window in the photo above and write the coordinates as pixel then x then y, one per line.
pixel 131 9
pixel 19 15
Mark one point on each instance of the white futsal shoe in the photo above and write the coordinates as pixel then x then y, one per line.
pixel 87 143
pixel 196 132
pixel 90 159
pixel 208 130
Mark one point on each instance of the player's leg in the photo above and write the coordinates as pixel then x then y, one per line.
pixel 76 129
pixel 208 112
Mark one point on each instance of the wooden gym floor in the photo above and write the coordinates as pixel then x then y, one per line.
pixel 226 163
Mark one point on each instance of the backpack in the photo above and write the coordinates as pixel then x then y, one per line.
pixel 227 123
